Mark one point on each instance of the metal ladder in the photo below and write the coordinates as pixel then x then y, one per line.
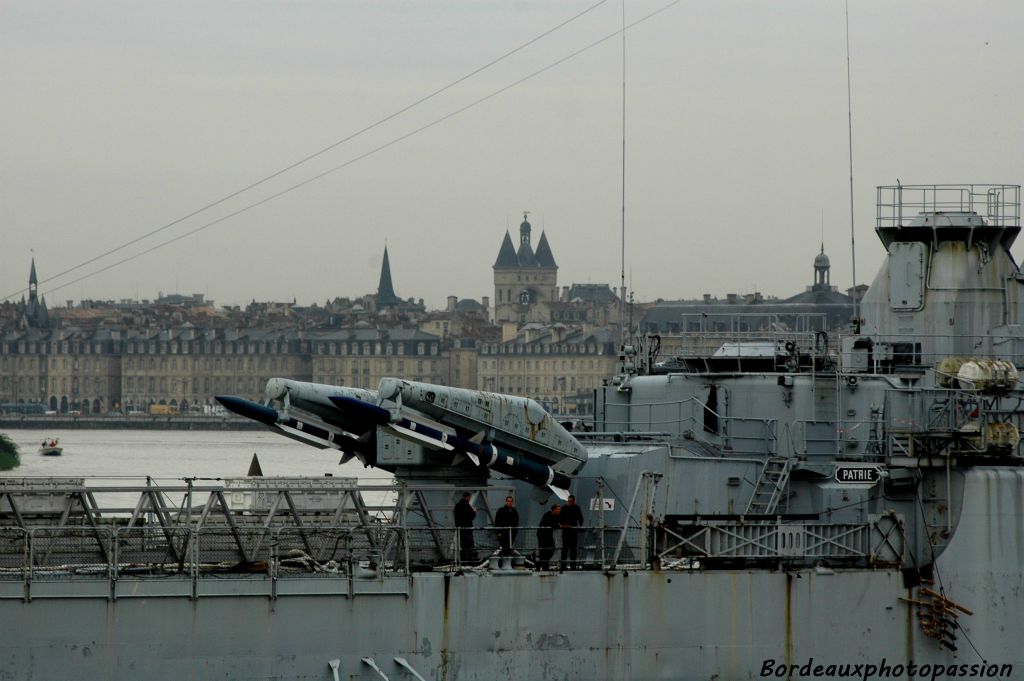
pixel 770 485
pixel 901 443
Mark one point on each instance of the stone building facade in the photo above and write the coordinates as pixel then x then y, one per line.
pixel 183 369
pixel 177 355
pixel 360 358
pixel 63 370
pixel 557 367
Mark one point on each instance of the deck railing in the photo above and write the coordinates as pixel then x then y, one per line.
pixel 132 561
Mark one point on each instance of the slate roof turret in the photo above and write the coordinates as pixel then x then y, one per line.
pixel 507 253
pixel 526 256
pixel 544 256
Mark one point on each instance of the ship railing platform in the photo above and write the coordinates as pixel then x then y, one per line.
pixel 740 337
pixel 826 353
pixel 304 536
pixel 151 561
pixel 134 562
pixel 695 542
pixel 943 422
pixel 191 537
pixel 687 417
pixel 903 205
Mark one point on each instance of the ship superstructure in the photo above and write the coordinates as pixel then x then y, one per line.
pixel 852 498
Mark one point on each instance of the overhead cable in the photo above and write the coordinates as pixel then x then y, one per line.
pixel 373 151
pixel 315 154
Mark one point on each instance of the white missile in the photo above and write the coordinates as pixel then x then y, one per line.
pixel 517 423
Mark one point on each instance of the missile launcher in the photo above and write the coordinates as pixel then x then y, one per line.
pixel 456 428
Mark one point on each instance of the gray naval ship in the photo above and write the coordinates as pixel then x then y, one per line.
pixel 783 506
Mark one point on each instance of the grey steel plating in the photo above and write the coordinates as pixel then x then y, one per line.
pixel 847 497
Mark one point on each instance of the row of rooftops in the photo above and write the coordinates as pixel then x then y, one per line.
pixel 532 338
pixel 555 339
pixel 368 314
pixel 188 339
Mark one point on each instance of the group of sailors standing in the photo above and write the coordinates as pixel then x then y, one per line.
pixel 568 518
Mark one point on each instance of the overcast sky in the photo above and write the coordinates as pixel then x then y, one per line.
pixel 117 118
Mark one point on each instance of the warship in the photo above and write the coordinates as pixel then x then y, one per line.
pixel 785 505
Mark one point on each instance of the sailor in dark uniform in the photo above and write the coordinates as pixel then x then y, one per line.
pixel 464 515
pixel 571 520
pixel 546 537
pixel 507 522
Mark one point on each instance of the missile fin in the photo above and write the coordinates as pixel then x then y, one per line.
pixel 562 494
pixel 473 457
pixel 478 439
pixel 299 435
pixel 458 459
pixel 419 437
pixel 346 457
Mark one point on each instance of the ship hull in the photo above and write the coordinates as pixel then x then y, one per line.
pixel 722 624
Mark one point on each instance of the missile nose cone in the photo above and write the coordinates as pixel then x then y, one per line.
pixel 370 412
pixel 388 388
pixel 276 388
pixel 248 409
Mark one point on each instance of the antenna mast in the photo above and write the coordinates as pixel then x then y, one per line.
pixel 622 271
pixel 849 127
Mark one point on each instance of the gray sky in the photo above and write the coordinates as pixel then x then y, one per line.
pixel 117 118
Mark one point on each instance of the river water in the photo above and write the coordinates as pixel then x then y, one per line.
pixel 128 456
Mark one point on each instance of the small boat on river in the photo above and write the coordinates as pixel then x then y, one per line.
pixel 51 447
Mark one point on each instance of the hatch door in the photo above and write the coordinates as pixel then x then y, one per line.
pixel 906 275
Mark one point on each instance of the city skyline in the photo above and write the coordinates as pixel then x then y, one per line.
pixel 210 299
pixel 119 119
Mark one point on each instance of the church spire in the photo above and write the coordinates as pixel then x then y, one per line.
pixel 34 312
pixel 385 289
pixel 33 285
